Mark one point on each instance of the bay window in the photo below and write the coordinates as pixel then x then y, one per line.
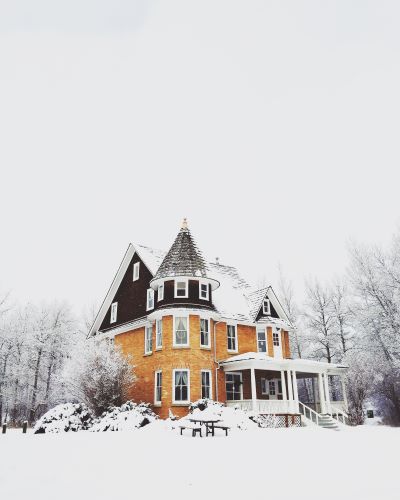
pixel 148 340
pixel 181 333
pixel 205 333
pixel 159 334
pixel 181 289
pixel 150 299
pixel 181 388
pixel 157 387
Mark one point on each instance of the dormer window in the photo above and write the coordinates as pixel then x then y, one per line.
pixel 150 299
pixel 203 291
pixel 266 307
pixel 136 267
pixel 160 292
pixel 181 289
pixel 114 308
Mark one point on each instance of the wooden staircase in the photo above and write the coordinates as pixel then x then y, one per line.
pixel 326 420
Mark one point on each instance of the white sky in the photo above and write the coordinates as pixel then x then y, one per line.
pixel 273 126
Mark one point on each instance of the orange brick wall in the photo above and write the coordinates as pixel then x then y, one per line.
pixel 194 358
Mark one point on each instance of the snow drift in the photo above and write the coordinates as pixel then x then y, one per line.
pixel 129 416
pixel 66 417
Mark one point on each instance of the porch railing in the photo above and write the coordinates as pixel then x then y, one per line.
pixel 269 407
pixel 309 413
pixel 339 414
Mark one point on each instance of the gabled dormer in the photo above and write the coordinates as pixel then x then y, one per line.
pixel 264 305
pixel 182 280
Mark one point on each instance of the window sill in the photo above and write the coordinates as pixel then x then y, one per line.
pixel 148 353
pixel 181 346
pixel 158 348
pixel 232 352
pixel 205 348
pixel 178 403
pixel 157 405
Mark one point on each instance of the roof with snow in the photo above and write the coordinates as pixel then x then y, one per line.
pixel 183 258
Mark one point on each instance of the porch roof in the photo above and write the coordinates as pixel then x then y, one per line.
pixel 261 361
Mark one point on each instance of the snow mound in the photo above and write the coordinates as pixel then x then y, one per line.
pixel 129 416
pixel 66 417
pixel 207 409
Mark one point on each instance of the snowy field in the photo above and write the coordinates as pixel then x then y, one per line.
pixel 355 463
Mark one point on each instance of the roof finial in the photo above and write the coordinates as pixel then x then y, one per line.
pixel 184 224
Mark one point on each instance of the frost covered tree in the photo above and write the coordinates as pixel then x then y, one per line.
pixel 100 375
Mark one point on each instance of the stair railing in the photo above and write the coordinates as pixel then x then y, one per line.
pixel 337 413
pixel 312 414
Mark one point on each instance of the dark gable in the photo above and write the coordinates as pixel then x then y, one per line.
pixel 131 296
pixel 273 314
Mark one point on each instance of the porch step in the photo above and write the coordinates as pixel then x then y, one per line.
pixel 327 422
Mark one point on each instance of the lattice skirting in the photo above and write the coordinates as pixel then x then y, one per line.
pixel 277 421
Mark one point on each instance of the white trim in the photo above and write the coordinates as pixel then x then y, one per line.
pixel 183 311
pixel 114 312
pixel 156 401
pixel 160 296
pixel 204 283
pixel 146 329
pixel 206 346
pixel 201 383
pixel 186 402
pixel 136 271
pixel 236 338
pixel 149 299
pixel 174 344
pixel 181 280
pixel 159 346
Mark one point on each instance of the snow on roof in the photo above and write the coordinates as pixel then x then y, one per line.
pixel 255 298
pixel 151 257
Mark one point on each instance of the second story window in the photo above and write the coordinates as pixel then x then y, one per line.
pixel 160 292
pixel 114 308
pixel 181 289
pixel 261 340
pixel 148 340
pixel 159 334
pixel 150 299
pixel 181 334
pixel 276 339
pixel 205 333
pixel 136 267
pixel 266 307
pixel 203 291
pixel 232 338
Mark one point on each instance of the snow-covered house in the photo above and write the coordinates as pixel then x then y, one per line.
pixel 196 329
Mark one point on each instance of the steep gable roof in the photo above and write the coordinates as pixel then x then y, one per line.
pixel 183 258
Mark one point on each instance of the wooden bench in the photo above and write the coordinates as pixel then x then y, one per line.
pixel 195 429
pixel 223 427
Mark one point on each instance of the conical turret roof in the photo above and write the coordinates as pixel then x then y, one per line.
pixel 183 258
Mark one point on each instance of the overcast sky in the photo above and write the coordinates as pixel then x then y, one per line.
pixel 272 126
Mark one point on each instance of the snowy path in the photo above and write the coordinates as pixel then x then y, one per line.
pixel 295 463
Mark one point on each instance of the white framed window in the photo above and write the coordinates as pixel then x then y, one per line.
pixel 181 331
pixel 136 268
pixel 160 292
pixel 157 387
pixel 272 390
pixel 159 334
pixel 232 338
pixel 234 386
pixel 261 340
pixel 264 386
pixel 150 299
pixel 181 386
pixel 181 289
pixel 204 291
pixel 113 316
pixel 276 339
pixel 148 339
pixel 206 390
pixel 205 333
pixel 266 306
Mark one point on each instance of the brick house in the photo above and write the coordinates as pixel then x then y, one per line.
pixel 196 329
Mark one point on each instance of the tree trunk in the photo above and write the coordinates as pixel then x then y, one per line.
pixel 35 387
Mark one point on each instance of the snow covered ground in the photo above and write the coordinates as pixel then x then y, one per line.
pixel 305 463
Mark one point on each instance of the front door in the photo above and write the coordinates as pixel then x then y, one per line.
pixel 277 341
pixel 233 383
pixel 275 388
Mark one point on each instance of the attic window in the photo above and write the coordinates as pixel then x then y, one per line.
pixel 266 306
pixel 114 308
pixel 181 289
pixel 150 299
pixel 203 288
pixel 136 267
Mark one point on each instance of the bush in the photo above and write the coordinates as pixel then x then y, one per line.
pixel 129 416
pixel 67 417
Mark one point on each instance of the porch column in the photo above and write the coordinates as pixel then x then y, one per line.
pixel 253 389
pixel 321 394
pixel 296 392
pixel 344 393
pixel 290 405
pixel 327 396
pixel 283 382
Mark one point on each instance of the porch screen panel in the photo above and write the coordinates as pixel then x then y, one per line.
pixel 233 384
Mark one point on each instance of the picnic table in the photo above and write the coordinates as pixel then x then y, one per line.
pixel 209 423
